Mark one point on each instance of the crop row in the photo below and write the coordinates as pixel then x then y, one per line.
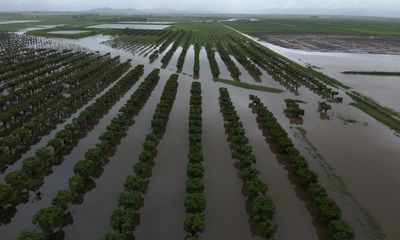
pixel 230 64
pixel 182 56
pixel 31 102
pixel 24 111
pixel 36 167
pixel 54 217
pixel 298 166
pixel 32 76
pixel 11 42
pixel 169 39
pixel 289 72
pixel 125 218
pixel 31 65
pixel 25 86
pixel 24 61
pixel 195 201
pixel 167 57
pixel 247 64
pixel 261 208
pixel 293 108
pixel 21 138
pixel 213 63
pixel 196 65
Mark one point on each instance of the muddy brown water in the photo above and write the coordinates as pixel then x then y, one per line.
pixel 350 44
pixel 95 211
pixel 225 213
pixel 187 68
pixel 384 89
pixel 163 212
pixel 58 179
pixel 362 155
pixel 44 140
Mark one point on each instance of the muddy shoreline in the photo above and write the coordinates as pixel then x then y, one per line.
pixel 346 44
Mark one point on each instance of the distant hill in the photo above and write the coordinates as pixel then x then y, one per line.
pixel 108 10
pixel 131 11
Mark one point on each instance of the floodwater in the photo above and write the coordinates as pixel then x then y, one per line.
pixel 368 150
pixel 39 27
pixel 147 22
pixel 44 140
pixel 104 196
pixel 384 89
pixel 357 163
pixel 164 208
pixel 131 26
pixel 58 179
pixel 68 32
pixel 18 21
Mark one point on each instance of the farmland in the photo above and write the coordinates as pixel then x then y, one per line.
pixel 193 131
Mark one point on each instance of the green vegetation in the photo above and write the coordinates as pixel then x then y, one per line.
pixel 182 56
pixel 302 25
pixel 298 166
pixel 167 57
pixel 377 73
pixel 382 114
pixel 46 95
pixel 249 86
pixel 196 65
pixel 254 71
pixel 293 108
pixel 52 218
pixel 195 201
pixel 123 219
pixel 67 19
pixel 324 107
pixel 261 208
pixel 213 63
pixel 230 64
pixel 35 168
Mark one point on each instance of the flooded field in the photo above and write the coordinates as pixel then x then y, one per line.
pixel 384 89
pixel 130 26
pixel 18 21
pixel 347 44
pixel 355 157
pixel 67 32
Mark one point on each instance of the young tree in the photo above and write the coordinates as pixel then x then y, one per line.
pixel 195 202
pixel 123 220
pixel 194 223
pixel 32 166
pixel 113 236
pixel 341 230
pixel 17 179
pixel 6 193
pixel 85 169
pixel 324 107
pixel 130 199
pixel 194 185
pixel 62 199
pixel 25 235
pixel 49 219
pixel 135 183
pixel 262 208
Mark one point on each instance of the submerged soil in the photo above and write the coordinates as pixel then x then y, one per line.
pixel 348 44
pixel 357 160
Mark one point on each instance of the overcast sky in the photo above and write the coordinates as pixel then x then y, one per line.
pixel 359 7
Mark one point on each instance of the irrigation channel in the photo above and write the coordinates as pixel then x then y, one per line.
pixel 355 157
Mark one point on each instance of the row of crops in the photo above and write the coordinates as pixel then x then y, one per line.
pixel 229 46
pixel 41 88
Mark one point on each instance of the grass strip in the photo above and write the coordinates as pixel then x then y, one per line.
pixel 249 86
